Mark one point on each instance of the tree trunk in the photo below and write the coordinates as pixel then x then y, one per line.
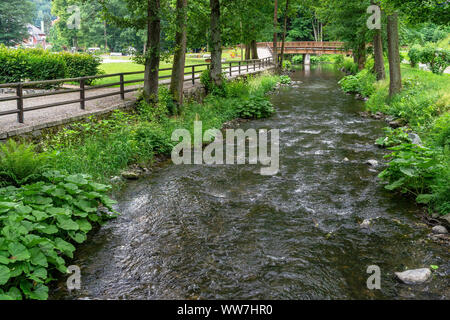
pixel 275 39
pixel 378 56
pixel 284 34
pixel 153 51
pixel 254 49
pixel 395 85
pixel 361 56
pixel 216 44
pixel 177 79
pixel 247 51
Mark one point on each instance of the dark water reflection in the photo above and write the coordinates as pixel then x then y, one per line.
pixel 227 232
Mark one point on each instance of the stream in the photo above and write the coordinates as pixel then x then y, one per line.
pixel 227 232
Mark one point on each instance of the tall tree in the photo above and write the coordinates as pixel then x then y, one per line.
pixel 142 15
pixel 14 17
pixel 177 80
pixel 152 58
pixel 216 44
pixel 275 34
pixel 378 55
pixel 284 33
pixel 395 85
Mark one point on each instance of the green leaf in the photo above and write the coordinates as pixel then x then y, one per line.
pixel 38 258
pixel 64 247
pixel 395 184
pixel 434 267
pixel 39 215
pixel 84 225
pixel 408 171
pixel 4 275
pixel 14 293
pixel 78 237
pixel 18 251
pixel 77 179
pixel 41 292
pixel 66 223
pixel 85 206
pixel 424 198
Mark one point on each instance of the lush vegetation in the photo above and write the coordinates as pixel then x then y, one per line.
pixel 421 170
pixel 437 59
pixel 49 200
pixel 38 64
pixel 102 148
pixel 43 213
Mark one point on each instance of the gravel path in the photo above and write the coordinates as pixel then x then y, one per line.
pixel 9 126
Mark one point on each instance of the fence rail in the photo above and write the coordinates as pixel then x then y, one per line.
pixel 230 68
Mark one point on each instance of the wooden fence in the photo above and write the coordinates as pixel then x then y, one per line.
pixel 236 67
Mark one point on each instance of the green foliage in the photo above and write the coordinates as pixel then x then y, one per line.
pixel 414 55
pixel 255 107
pixel 287 64
pixel 14 16
pixel 421 172
pixel 20 164
pixel 346 64
pixel 81 65
pixel 39 224
pixel 37 64
pixel 284 79
pixel 210 87
pixel 104 147
pixel 297 59
pixel 362 83
pixel 437 59
pixel 411 169
pixel 393 137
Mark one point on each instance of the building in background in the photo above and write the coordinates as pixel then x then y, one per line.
pixel 37 37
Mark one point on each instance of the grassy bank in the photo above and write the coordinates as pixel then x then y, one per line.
pixel 50 200
pixel 420 169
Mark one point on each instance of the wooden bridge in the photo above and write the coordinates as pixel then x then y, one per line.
pixel 309 47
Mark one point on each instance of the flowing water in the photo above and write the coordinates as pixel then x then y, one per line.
pixel 226 232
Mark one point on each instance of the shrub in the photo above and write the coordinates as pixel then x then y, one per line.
pixel 297 59
pixel 46 66
pixel 81 65
pixel 20 164
pixel 24 64
pixel 287 64
pixel 39 224
pixel 38 64
pixel 411 170
pixel 285 79
pixel 210 87
pixel 255 108
pixel 393 137
pixel 414 55
pixel 153 139
pixel 362 83
pixel 237 88
pixel 436 59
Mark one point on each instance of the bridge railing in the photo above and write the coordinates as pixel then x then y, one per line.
pixel 192 72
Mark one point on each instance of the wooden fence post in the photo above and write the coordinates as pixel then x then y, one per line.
pixel 122 87
pixel 239 67
pixel 20 102
pixel 231 67
pixel 193 74
pixel 82 95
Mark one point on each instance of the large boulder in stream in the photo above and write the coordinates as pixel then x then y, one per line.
pixel 415 276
